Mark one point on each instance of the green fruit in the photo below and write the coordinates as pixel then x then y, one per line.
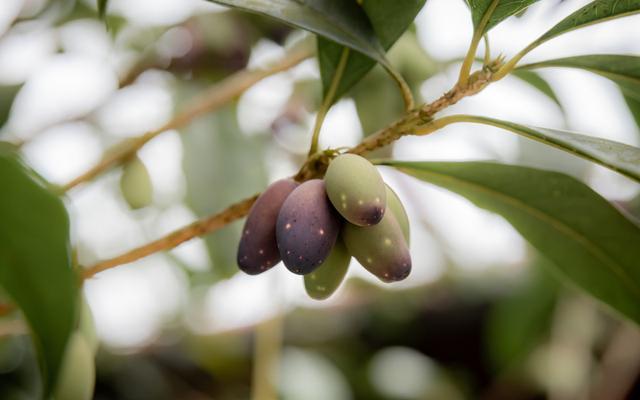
pixel 87 326
pixel 321 283
pixel 135 184
pixel 395 205
pixel 381 248
pixel 356 189
pixel 78 373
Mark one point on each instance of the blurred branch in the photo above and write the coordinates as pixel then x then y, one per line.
pixel 212 99
pixel 268 342
pixel 175 238
pixel 418 121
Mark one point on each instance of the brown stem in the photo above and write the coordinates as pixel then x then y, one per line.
pixel 175 238
pixel 212 99
pixel 312 168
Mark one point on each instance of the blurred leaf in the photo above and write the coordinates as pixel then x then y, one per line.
pixel 503 10
pixel 222 165
pixel 372 112
pixel 619 157
pixel 389 21
pixel 414 64
pixel 537 82
pixel 595 12
pixel 624 70
pixel 587 239
pixel 7 94
pixel 35 261
pixel 519 322
pixel 634 108
pixel 102 8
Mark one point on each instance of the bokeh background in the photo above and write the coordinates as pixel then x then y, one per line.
pixel 481 316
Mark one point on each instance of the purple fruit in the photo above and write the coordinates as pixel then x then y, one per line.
pixel 307 227
pixel 258 251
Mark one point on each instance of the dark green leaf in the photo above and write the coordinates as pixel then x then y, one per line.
pixel 634 107
pixel 340 21
pixel 622 69
pixel 619 157
pixel 539 83
pixel 389 21
pixel 503 10
pixel 35 261
pixel 595 12
pixel 7 94
pixel 102 8
pixel 519 322
pixel 589 241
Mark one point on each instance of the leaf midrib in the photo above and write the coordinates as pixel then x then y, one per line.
pixel 560 226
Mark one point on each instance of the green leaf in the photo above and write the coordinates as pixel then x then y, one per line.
pixel 634 108
pixel 595 12
pixel 340 21
pixel 35 261
pixel 588 240
pixel 369 29
pixel 521 321
pixel 7 94
pixel 389 21
pixel 539 83
pixel 622 69
pixel 504 9
pixel 619 157
pixel 102 8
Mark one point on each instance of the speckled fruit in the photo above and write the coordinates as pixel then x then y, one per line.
pixel 307 227
pixel 78 374
pixel 356 189
pixel 258 250
pixel 321 283
pixel 381 248
pixel 395 205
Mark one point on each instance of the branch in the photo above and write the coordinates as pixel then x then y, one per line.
pixel 212 99
pixel 175 238
pixel 418 121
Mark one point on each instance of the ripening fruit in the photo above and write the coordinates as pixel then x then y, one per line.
pixel 321 283
pixel 356 189
pixel 135 184
pixel 381 248
pixel 78 373
pixel 258 250
pixel 395 205
pixel 307 227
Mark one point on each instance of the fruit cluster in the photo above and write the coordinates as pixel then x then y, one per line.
pixel 315 227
